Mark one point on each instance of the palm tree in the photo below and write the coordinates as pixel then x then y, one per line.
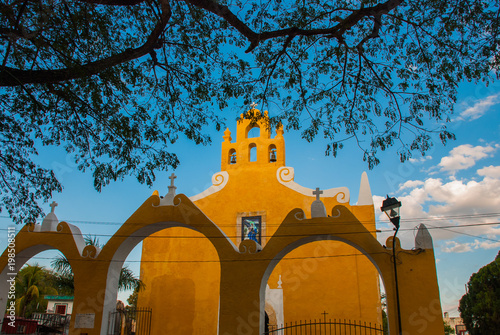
pixel 65 278
pixel 32 283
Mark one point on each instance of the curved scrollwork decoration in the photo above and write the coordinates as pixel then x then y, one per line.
pixel 286 174
pixel 218 179
pixel 177 201
pixel 249 247
pixel 300 215
pixel 341 197
pixel 60 227
pixel 32 227
pixel 90 251
pixel 337 215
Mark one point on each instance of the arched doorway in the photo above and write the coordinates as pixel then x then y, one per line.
pixel 326 277
pixel 182 292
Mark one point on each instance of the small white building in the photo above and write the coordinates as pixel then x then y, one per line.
pixel 59 304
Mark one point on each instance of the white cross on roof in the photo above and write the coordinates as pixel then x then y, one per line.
pixel 53 206
pixel 172 177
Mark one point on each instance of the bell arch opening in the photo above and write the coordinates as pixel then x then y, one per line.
pixel 252 152
pixel 252 131
pixel 232 158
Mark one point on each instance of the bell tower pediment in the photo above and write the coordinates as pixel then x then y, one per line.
pixel 254 145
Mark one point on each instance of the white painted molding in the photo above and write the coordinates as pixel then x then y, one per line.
pixel 285 177
pixel 219 181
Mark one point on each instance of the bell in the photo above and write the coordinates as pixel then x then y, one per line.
pixel 272 158
pixel 233 159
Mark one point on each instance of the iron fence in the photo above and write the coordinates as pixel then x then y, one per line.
pixel 130 322
pixel 326 327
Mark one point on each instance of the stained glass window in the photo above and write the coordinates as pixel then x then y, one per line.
pixel 251 228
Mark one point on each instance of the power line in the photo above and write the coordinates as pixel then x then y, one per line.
pixel 152 236
pixel 403 220
pixel 220 261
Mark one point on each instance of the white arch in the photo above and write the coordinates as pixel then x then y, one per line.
pixel 119 257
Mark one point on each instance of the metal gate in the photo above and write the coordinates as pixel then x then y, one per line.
pixel 130 322
pixel 330 327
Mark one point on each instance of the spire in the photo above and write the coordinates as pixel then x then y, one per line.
pixel 365 193
pixel 423 240
pixel 227 135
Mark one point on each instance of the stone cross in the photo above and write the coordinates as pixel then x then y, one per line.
pixel 253 105
pixel 317 193
pixel 53 206
pixel 172 177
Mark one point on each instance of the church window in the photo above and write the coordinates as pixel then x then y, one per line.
pixel 253 132
pixel 251 227
pixel 232 156
pixel 252 153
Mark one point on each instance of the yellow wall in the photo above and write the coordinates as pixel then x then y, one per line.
pixel 323 276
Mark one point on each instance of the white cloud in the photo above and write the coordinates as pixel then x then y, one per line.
pixel 464 156
pixel 455 247
pixel 452 246
pixel 490 171
pixel 420 159
pixel 479 108
pixel 410 184
pixel 445 207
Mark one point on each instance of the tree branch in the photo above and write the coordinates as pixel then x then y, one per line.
pixel 15 77
pixel 333 32
pixel 113 2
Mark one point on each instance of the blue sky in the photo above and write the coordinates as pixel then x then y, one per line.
pixel 449 187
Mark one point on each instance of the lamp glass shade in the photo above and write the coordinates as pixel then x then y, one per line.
pixel 390 207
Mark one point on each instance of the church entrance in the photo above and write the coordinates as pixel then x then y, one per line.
pixel 325 285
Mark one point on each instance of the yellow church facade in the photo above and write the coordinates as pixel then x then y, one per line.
pixel 248 201
pixel 254 249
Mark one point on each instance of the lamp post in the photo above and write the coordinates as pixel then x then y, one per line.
pixel 390 207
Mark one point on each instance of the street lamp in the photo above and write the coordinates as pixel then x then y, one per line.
pixel 390 207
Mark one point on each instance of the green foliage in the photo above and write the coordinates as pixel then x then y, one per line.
pixel 133 298
pixel 33 282
pixel 116 83
pixel 448 330
pixel 480 306
pixel 64 277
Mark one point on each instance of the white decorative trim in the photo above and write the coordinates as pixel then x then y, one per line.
pixel 78 237
pixel 285 177
pixel 219 181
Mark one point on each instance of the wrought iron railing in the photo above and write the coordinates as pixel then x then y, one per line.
pixel 326 327
pixel 130 321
